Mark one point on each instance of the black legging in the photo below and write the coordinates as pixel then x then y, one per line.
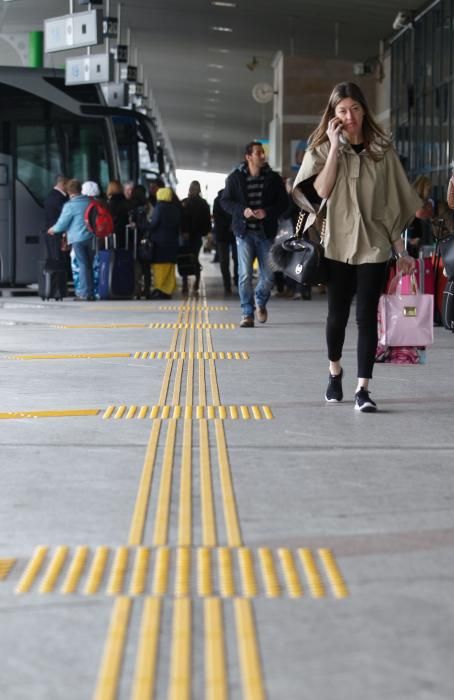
pixel 366 281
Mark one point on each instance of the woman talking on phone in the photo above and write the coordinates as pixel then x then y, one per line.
pixel 352 166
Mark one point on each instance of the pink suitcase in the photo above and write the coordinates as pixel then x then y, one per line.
pixel 424 277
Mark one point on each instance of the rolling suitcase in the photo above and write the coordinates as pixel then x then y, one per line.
pixel 447 310
pixel 117 274
pixel 52 279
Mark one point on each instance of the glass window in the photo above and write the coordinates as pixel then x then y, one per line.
pixel 87 152
pixel 38 158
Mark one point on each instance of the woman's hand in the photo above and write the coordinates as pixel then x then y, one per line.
pixel 334 130
pixel 406 264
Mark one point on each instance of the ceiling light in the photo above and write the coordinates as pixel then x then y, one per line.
pixel 221 29
pixel 214 92
pixel 218 66
pixel 214 80
pixel 211 99
pixel 223 3
pixel 216 50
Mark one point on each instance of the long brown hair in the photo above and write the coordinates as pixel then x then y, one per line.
pixel 372 131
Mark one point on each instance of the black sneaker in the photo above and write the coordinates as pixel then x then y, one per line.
pixel 363 402
pixel 334 391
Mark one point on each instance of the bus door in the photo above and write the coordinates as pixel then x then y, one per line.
pixel 6 222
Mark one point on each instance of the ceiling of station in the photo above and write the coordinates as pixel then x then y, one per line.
pixel 202 77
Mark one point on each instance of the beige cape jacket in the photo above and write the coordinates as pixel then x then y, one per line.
pixel 369 206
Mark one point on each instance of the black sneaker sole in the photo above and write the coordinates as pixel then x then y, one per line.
pixel 368 408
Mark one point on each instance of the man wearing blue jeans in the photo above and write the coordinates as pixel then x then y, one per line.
pixel 255 196
pixel 72 221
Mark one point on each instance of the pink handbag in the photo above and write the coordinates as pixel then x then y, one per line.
pixel 406 319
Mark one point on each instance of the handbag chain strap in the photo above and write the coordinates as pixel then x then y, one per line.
pixel 302 218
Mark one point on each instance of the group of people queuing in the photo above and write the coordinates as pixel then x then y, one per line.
pixel 156 216
pixel 350 170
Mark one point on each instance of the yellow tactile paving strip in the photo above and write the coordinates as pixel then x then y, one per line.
pixel 152 570
pixel 136 355
pixel 224 572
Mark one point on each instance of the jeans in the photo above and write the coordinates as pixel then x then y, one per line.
pixel 344 281
pixel 252 246
pixel 84 253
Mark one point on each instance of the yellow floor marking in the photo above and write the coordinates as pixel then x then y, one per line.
pixel 183 572
pixel 147 655
pixel 245 355
pixel 178 382
pixel 118 571
pixel 251 670
pixel 163 508
pixel 268 413
pixel 96 573
pixel 140 571
pixel 161 571
pixel 188 412
pixel 222 412
pixel 6 566
pixel 131 413
pixel 54 569
pixel 31 572
pixel 137 355
pixel 109 675
pixel 248 578
pixel 314 579
pixel 72 356
pixel 180 668
pixel 165 383
pixel 216 687
pixel 145 356
pixel 120 412
pixel 333 573
pixel 256 412
pixel 108 412
pixel 245 412
pixel 185 505
pixel 270 579
pixel 199 412
pixel 154 412
pixel 209 538
pixel 202 383
pixel 76 570
pixel 143 412
pixel 103 325
pixel 291 576
pixel 165 412
pixel 204 579
pixel 233 412
pixel 176 412
pixel 50 414
pixel 143 494
pixel 232 522
pixel 226 580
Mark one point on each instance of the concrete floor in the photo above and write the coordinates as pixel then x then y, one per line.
pixel 375 491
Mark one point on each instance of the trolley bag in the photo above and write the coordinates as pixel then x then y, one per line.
pixel 52 279
pixel 447 311
pixel 425 277
pixel 116 271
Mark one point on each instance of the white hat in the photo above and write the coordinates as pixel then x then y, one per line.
pixel 91 189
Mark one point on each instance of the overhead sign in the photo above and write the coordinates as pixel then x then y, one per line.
pixel 116 94
pixel 110 27
pixel 73 31
pixel 128 73
pixel 98 68
pixel 121 53
pixel 136 89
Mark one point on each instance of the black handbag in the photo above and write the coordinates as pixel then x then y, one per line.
pixel 188 264
pixel 446 246
pixel 301 257
pixel 145 252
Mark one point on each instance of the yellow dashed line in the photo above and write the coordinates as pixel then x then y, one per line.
pixel 183 572
pixel 6 566
pixel 333 573
pixel 117 574
pixel 226 580
pixel 109 675
pixel 161 571
pixel 204 579
pixel 54 570
pixel 140 571
pixel 75 570
pixel 108 412
pixel 314 580
pixel 291 576
pixel 270 579
pixel 249 581
pixel 96 573
pixel 32 570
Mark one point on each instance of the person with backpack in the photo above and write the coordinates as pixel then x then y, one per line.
pixel 139 218
pixel 72 220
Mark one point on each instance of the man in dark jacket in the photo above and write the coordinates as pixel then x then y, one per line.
pixel 225 241
pixel 53 204
pixel 255 196
pixel 196 224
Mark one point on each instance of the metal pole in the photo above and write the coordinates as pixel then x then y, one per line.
pixel 71 7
